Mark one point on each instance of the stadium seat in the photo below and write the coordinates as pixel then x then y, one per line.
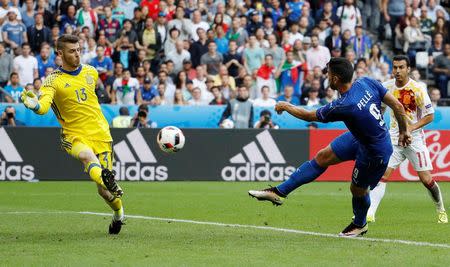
pixel 422 62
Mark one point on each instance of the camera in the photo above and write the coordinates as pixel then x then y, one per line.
pixel 142 114
pixel 266 118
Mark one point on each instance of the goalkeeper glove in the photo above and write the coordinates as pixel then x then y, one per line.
pixel 30 100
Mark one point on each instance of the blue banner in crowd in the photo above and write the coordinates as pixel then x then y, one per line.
pixel 204 117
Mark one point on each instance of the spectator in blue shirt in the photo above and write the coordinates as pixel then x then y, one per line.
pixel 289 96
pixel 150 94
pixel 104 65
pixel 45 59
pixel 221 40
pixel 14 89
pixel 14 32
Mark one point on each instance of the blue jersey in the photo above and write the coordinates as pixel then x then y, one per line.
pixel 359 108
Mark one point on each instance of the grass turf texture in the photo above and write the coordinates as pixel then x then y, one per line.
pixel 79 239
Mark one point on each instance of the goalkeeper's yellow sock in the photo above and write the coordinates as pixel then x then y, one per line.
pixel 95 172
pixel 116 205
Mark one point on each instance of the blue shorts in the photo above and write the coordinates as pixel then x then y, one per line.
pixel 368 168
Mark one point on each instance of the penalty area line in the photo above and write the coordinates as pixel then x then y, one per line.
pixel 276 229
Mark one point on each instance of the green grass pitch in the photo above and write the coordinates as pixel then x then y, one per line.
pixel 41 226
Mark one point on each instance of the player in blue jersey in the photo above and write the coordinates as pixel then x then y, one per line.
pixel 367 142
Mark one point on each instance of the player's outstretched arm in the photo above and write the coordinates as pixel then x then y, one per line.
pixel 39 106
pixel 422 122
pixel 400 115
pixel 295 111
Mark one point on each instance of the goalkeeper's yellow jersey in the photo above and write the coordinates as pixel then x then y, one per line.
pixel 72 97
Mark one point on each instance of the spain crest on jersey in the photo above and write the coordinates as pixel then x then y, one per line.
pixel 89 79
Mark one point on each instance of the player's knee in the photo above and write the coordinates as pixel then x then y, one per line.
pixel 86 156
pixel 324 157
pixel 358 191
pixel 425 177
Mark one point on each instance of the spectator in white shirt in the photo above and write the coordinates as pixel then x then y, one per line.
pixel 317 55
pixel 178 56
pixel 264 100
pixel 126 90
pixel 196 99
pixel 26 66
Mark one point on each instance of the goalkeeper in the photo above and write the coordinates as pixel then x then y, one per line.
pixel 70 92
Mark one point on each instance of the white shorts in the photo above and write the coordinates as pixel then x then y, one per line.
pixel 417 153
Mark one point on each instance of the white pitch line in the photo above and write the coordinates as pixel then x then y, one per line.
pixel 285 230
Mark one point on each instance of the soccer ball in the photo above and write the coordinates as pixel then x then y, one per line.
pixel 228 124
pixel 170 139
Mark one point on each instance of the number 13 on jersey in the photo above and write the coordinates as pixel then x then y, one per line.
pixel 81 95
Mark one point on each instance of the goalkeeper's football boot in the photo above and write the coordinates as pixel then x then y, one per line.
pixel 115 226
pixel 110 183
pixel 442 217
pixel 353 230
pixel 269 194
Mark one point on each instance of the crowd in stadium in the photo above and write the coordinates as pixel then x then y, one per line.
pixel 211 52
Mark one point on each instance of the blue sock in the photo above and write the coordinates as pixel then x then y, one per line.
pixel 360 207
pixel 306 173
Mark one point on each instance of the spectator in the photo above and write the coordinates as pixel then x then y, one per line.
pixel 199 47
pixel 128 6
pixel 435 97
pixel 221 41
pixel 393 11
pixel 196 99
pixel 334 40
pixel 102 64
pixel 38 34
pixel 317 55
pixel 9 117
pixel 14 89
pixel 178 98
pixel 441 70
pixel 109 25
pixel 126 90
pixel 14 32
pixel 349 16
pixel 288 96
pixel 426 25
pixel 183 25
pixel 414 40
pixel 291 74
pixel 415 75
pixel 187 67
pixel 5 8
pixel 441 26
pixel 149 40
pixel 169 87
pixel 6 65
pixel 212 60
pixel 42 8
pixel 383 75
pixel 233 59
pixel 89 53
pixel 162 92
pixel 141 118
pixel 294 10
pixel 198 23
pixel 327 14
pixel 45 59
pixel 28 13
pixel 174 36
pixel 124 53
pixel 253 56
pixel 376 58
pixel 275 51
pixel 255 22
pixel 299 53
pixel 219 99
pixel 87 16
pixel 436 49
pixel 68 20
pixel 330 96
pixel 237 33
pixel 312 126
pixel 225 81
pixel 434 8
pixel 264 100
pixel 178 56
pixel 242 111
pixel 26 65
pixel 265 121
pixel 267 74
pixel 361 43
pixel 37 83
pixel 312 99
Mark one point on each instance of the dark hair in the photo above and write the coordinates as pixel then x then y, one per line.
pixel 66 38
pixel 26 44
pixel 401 58
pixel 12 74
pixel 342 68
pixel 265 112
